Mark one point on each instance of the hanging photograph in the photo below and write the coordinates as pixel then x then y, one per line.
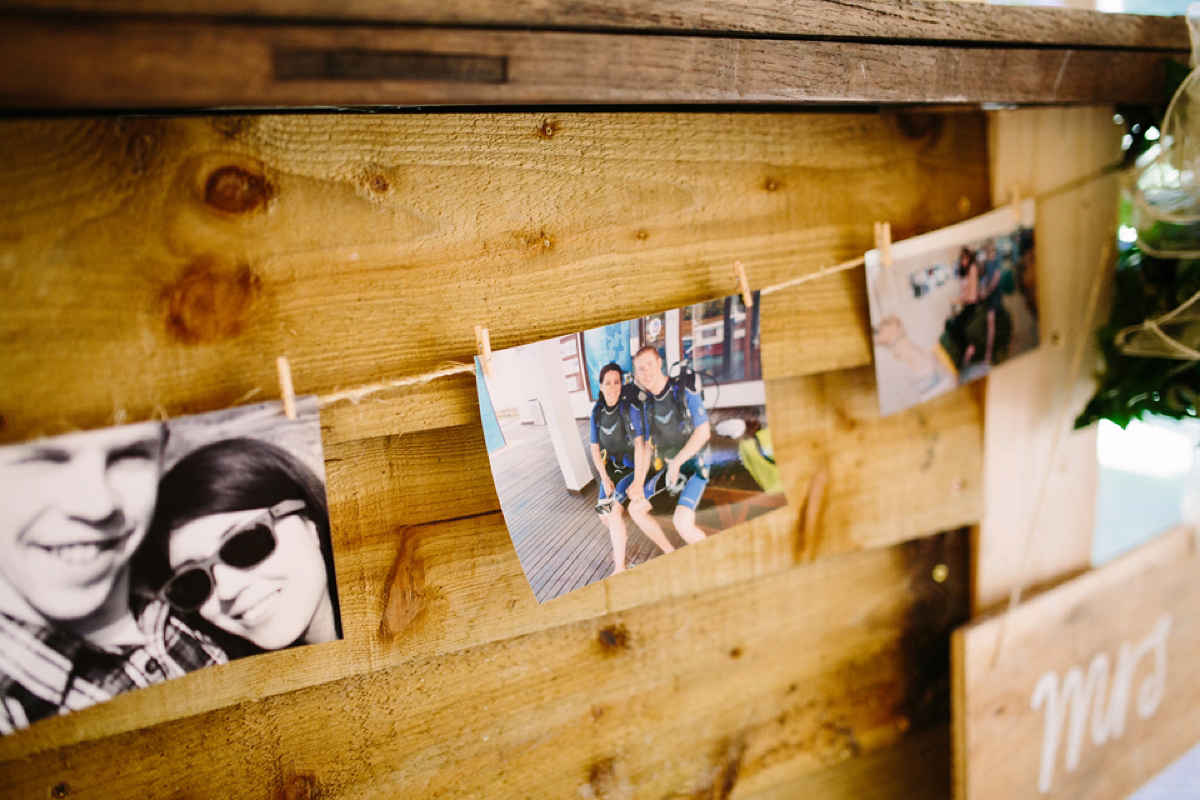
pixel 136 554
pixel 616 445
pixel 952 305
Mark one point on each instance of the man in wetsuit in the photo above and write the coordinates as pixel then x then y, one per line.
pixel 616 438
pixel 677 432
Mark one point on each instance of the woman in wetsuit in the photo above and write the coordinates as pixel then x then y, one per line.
pixel 616 438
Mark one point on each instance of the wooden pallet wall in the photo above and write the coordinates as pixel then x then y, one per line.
pixel 161 264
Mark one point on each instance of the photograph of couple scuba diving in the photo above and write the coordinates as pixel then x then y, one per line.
pixel 616 445
pixel 952 305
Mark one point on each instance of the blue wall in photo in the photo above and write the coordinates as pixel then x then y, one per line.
pixel 603 346
pixel 492 436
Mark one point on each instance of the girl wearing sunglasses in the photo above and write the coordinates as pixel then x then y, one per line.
pixel 239 545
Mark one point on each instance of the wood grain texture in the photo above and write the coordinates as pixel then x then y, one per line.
pixel 165 263
pixel 865 19
pixel 570 709
pixel 1027 402
pixel 52 64
pixel 1000 731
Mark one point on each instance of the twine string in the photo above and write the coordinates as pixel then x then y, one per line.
pixel 1039 503
pixel 448 369
pixel 357 394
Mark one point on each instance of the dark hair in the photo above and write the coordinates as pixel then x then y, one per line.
pixel 230 475
pixel 607 368
pixel 969 257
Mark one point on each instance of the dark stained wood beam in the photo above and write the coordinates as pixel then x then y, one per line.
pixel 931 20
pixel 103 62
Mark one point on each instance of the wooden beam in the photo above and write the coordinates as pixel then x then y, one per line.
pixel 928 21
pixel 1035 399
pixel 52 64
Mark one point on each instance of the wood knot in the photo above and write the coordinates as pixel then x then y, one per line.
pixel 772 185
pixel 548 129
pixel 208 304
pixel 300 787
pixel 379 184
pixel 405 594
pixel 230 127
pixel 535 243
pixel 735 652
pixel 921 126
pixel 236 190
pixel 606 781
pixel 613 639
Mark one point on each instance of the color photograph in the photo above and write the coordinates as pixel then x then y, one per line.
pixel 136 554
pixel 613 446
pixel 952 305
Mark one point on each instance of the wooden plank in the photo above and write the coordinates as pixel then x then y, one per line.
pixel 1027 401
pixel 861 19
pixel 204 64
pixel 164 263
pixel 914 768
pixel 623 701
pixel 1026 729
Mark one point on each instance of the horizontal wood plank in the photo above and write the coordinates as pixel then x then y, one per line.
pixel 51 64
pixel 164 263
pixel 923 20
pixel 914 768
pixel 817 666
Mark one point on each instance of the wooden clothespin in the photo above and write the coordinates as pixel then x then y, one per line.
pixel 883 241
pixel 740 271
pixel 286 390
pixel 1015 195
pixel 483 344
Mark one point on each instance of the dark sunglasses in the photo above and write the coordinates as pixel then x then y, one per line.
pixel 242 547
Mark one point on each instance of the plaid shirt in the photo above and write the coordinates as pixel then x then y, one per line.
pixel 45 671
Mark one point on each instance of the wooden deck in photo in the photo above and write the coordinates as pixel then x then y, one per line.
pixel 560 540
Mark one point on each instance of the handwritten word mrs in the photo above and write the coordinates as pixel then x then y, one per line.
pixel 1077 692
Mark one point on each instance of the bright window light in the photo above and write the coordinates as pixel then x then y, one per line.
pixel 1127 234
pixel 1144 448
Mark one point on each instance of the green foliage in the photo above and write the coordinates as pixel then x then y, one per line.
pixel 1146 288
pixel 1132 386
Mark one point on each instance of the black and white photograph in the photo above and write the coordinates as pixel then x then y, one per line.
pixel 136 554
pixel 952 305
pixel 616 445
